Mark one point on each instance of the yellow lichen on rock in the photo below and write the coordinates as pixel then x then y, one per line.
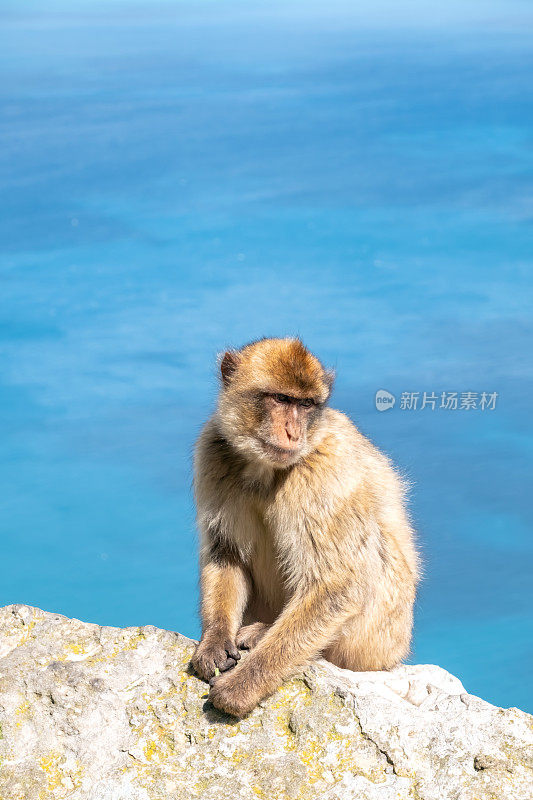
pixel 62 777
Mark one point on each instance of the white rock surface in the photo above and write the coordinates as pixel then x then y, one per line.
pixel 93 713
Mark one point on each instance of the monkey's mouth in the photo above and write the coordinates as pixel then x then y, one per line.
pixel 280 453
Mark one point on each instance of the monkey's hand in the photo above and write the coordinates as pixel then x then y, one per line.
pixel 214 652
pixel 249 635
pixel 233 694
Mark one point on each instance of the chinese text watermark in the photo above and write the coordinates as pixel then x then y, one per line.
pixel 433 401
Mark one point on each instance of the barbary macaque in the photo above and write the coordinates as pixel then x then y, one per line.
pixel 306 546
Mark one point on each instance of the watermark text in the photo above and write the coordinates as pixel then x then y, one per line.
pixel 434 401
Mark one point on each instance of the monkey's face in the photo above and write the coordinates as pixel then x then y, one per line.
pixel 272 401
pixel 270 427
pixel 284 427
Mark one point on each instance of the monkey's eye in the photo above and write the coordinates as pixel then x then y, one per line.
pixel 282 398
pixel 307 403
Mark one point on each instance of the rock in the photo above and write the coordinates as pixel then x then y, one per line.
pixel 94 713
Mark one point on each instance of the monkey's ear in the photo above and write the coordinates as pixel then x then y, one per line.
pixel 329 379
pixel 228 364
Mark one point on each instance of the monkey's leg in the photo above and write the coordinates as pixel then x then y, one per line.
pixel 225 589
pixel 376 639
pixel 307 624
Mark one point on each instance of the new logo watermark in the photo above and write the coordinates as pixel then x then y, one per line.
pixel 450 401
pixel 384 400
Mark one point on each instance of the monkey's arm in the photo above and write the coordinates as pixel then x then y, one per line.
pixel 303 629
pixel 224 589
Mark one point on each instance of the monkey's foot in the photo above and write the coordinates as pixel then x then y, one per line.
pixel 213 654
pixel 249 635
pixel 229 694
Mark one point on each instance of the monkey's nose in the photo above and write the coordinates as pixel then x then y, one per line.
pixel 292 435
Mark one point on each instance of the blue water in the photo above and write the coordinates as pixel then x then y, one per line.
pixel 178 177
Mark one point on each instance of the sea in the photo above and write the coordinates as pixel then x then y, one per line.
pixel 177 178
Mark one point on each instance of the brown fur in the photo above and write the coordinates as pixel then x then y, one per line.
pixel 304 534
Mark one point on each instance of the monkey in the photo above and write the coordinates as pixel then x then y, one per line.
pixel 306 546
